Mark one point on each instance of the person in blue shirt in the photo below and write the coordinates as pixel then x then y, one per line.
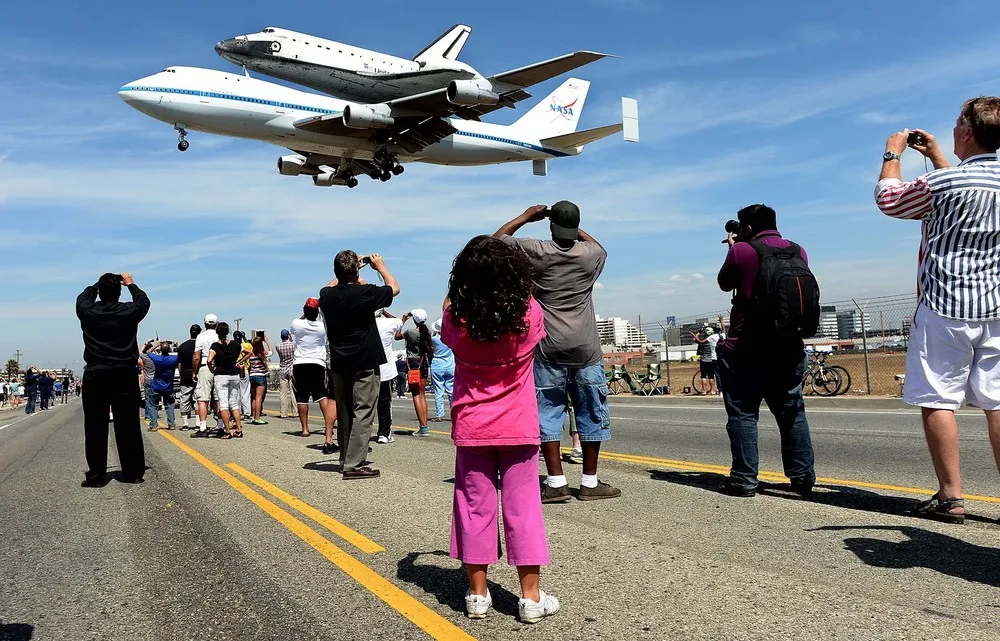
pixel 442 373
pixel 163 384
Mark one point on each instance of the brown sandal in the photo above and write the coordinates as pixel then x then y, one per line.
pixel 226 436
pixel 949 511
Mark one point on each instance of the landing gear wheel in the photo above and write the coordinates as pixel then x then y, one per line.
pixel 385 176
pixel 398 169
pixel 352 182
pixel 183 145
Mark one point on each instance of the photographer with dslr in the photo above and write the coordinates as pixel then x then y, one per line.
pixel 953 355
pixel 111 353
pixel 775 306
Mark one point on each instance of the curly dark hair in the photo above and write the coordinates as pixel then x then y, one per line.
pixel 489 289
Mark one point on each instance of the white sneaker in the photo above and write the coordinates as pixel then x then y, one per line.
pixel 390 439
pixel 477 605
pixel 532 612
pixel 383 440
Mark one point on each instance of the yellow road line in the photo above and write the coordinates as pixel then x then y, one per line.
pixel 419 614
pixel 774 477
pixel 356 539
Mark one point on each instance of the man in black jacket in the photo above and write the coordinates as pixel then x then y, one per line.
pixel 31 377
pixel 109 379
pixel 45 385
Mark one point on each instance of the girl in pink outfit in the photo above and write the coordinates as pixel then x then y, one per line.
pixel 492 324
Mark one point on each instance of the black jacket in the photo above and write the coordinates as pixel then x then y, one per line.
pixel 31 382
pixel 109 329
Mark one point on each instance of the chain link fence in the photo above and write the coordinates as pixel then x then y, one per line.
pixel 867 337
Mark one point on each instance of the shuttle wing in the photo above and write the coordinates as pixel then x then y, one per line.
pixel 509 84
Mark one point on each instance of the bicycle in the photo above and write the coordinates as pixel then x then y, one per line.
pixel 823 379
pixel 697 386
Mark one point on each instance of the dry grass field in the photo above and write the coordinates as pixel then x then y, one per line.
pixel 884 368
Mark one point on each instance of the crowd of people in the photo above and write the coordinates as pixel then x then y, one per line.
pixel 37 390
pixel 516 350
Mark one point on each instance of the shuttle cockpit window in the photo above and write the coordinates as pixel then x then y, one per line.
pixel 268 30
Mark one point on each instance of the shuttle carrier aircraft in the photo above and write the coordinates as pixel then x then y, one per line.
pixel 334 141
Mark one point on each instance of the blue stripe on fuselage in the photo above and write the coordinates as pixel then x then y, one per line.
pixel 287 105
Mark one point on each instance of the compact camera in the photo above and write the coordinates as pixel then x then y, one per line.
pixel 914 139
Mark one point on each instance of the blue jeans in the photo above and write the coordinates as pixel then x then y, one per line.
pixel 29 407
pixel 746 381
pixel 586 388
pixel 147 390
pixel 168 404
pixel 444 382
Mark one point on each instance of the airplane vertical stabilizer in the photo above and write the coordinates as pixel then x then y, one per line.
pixel 558 114
pixel 448 46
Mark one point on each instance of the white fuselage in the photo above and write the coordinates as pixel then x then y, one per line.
pixel 339 69
pixel 229 104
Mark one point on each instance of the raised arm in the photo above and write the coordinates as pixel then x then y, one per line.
pixel 86 299
pixel 530 215
pixel 379 265
pixel 139 299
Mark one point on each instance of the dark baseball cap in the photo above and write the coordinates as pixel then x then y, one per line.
pixel 564 220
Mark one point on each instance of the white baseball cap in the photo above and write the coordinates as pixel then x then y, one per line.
pixel 419 316
pixel 211 319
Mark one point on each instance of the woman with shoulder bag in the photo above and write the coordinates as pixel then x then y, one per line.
pixel 419 352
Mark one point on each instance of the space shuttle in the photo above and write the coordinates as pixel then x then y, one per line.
pixel 371 77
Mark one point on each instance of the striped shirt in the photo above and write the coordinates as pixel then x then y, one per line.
pixel 959 209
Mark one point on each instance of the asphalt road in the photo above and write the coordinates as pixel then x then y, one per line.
pixel 260 538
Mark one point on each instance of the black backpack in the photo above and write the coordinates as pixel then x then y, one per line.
pixel 785 295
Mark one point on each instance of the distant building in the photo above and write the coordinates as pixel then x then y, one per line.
pixel 851 323
pixel 620 333
pixel 828 326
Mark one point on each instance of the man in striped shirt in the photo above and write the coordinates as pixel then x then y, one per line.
pixel 286 354
pixel 954 348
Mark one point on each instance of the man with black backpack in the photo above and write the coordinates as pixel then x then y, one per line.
pixel 775 306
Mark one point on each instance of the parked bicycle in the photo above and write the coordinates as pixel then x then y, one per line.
pixel 823 379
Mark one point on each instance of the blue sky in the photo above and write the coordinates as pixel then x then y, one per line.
pixel 778 102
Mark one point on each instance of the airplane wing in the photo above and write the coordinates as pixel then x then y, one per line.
pixel 510 85
pixel 411 133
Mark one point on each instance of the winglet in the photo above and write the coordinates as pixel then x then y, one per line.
pixel 630 119
pixel 447 46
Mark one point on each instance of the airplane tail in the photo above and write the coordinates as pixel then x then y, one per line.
pixel 447 46
pixel 558 114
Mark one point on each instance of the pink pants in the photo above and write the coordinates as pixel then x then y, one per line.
pixel 475 535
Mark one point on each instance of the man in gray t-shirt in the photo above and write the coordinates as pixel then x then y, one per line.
pixel 149 371
pixel 568 362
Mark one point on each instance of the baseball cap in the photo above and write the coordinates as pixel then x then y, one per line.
pixel 211 319
pixel 195 328
pixel 312 302
pixel 564 220
pixel 284 334
pixel 437 326
pixel 419 316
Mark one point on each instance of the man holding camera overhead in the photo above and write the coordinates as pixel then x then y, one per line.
pixel 356 353
pixel 110 353
pixel 954 348
pixel 569 365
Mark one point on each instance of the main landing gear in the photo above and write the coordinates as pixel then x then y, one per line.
pixel 387 165
pixel 182 143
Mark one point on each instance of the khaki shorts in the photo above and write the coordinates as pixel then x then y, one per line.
pixel 203 388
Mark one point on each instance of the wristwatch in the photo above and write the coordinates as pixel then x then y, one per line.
pixel 887 156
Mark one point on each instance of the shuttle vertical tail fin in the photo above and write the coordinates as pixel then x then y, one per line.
pixel 557 114
pixel 447 46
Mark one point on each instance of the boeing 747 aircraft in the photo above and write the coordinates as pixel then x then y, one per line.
pixel 352 73
pixel 334 141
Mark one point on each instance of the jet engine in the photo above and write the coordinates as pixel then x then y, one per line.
pixel 472 92
pixel 368 116
pixel 291 165
pixel 328 179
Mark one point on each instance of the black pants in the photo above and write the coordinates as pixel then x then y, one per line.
pixel 118 389
pixel 385 407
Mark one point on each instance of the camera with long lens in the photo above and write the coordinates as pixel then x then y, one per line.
pixel 733 227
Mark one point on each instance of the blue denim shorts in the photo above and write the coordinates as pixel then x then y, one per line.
pixel 258 379
pixel 586 388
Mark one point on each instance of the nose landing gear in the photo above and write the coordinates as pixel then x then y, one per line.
pixel 182 143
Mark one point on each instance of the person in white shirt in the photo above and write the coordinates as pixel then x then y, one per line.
pixel 388 325
pixel 309 370
pixel 204 379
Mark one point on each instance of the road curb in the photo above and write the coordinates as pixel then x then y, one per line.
pixel 845 402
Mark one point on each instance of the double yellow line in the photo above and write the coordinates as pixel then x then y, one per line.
pixel 420 615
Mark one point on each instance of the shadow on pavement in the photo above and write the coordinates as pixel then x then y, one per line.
pixel 702 480
pixel 323 466
pixel 16 631
pixel 925 549
pixel 448 585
